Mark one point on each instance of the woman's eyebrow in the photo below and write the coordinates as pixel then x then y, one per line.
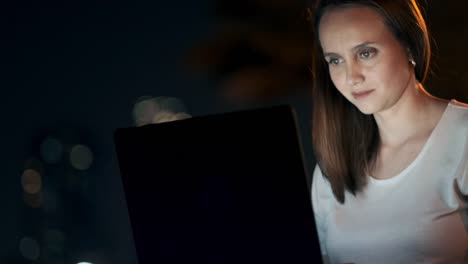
pixel 364 44
pixel 326 54
pixel 357 47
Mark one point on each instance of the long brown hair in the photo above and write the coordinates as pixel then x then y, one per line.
pixel 345 140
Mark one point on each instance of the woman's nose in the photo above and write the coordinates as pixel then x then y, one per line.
pixel 354 74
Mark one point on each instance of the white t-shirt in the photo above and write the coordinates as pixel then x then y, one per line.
pixel 417 216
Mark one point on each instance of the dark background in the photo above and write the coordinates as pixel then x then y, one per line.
pixel 75 70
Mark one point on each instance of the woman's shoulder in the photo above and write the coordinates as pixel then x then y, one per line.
pixel 459 106
pixel 459 111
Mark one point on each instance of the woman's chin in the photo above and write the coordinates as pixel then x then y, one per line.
pixel 365 109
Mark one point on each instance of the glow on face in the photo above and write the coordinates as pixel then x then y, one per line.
pixel 367 64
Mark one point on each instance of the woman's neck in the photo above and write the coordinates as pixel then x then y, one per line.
pixel 413 116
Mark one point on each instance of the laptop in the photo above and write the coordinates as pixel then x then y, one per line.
pixel 223 188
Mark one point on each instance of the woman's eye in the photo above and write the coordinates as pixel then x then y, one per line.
pixel 367 54
pixel 333 61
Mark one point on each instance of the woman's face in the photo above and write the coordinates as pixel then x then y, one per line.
pixel 367 64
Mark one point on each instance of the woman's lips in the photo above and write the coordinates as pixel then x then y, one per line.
pixel 361 94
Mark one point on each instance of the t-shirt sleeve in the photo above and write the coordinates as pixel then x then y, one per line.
pixel 322 202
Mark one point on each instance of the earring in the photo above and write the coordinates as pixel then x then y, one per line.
pixel 411 60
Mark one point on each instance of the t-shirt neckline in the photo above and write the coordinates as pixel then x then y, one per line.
pixel 421 153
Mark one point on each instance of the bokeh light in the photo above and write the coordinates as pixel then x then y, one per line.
pixel 181 115
pixel 81 157
pixel 163 116
pixel 31 181
pixel 161 109
pixel 144 110
pixel 51 150
pixel 168 116
pixel 29 248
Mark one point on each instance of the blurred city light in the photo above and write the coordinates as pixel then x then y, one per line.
pixel 31 181
pixel 29 248
pixel 168 116
pixel 144 110
pixel 81 157
pixel 148 110
pixel 51 150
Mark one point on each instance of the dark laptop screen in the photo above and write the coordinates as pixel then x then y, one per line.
pixel 227 188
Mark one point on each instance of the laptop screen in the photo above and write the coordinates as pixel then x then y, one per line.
pixel 226 188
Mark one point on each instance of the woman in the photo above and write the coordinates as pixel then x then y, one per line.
pixel 391 183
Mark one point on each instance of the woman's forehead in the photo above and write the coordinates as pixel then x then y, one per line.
pixel 350 26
